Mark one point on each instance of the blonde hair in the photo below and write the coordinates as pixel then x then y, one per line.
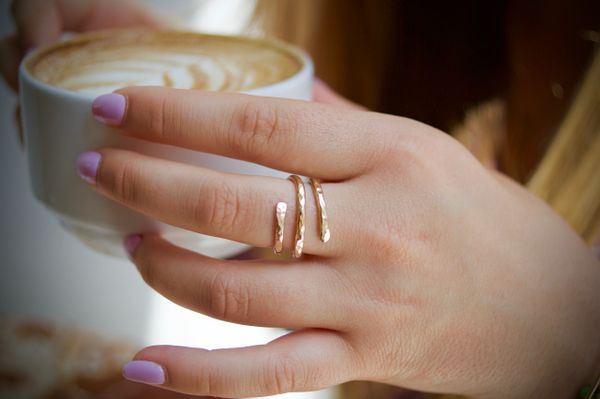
pixel 568 178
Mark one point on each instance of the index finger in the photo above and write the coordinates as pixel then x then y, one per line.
pixel 296 136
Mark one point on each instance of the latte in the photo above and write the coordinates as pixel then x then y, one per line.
pixel 57 87
pixel 102 62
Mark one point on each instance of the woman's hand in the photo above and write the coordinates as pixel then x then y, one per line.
pixel 41 22
pixel 439 275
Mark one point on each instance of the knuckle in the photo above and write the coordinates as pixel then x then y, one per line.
pixel 438 146
pixel 123 182
pixel 223 211
pixel 422 148
pixel 282 376
pixel 387 240
pixel 229 298
pixel 416 159
pixel 385 236
pixel 257 129
pixel 207 382
pixel 158 120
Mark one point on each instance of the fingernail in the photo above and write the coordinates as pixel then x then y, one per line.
pixel 131 243
pixel 145 372
pixel 109 108
pixel 87 165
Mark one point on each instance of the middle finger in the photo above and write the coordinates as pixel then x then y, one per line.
pixel 231 206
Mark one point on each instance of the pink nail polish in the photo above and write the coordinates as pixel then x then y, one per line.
pixel 131 243
pixel 144 371
pixel 87 165
pixel 109 108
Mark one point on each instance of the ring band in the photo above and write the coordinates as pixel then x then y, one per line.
pixel 280 211
pixel 324 232
pixel 300 204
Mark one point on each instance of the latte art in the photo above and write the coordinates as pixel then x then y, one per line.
pixel 101 63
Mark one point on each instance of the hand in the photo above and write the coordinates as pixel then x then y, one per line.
pixel 41 22
pixel 440 275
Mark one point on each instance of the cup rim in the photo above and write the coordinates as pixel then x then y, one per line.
pixel 302 56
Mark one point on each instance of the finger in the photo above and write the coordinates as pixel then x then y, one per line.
pixel 322 93
pixel 236 207
pixel 261 293
pixel 112 14
pixel 304 360
pixel 10 54
pixel 297 136
pixel 40 22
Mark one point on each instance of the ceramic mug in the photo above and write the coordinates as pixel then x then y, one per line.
pixel 58 126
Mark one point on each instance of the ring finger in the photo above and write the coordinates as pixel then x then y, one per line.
pixel 235 207
pixel 261 293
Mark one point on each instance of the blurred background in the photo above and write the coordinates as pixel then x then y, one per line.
pixel 512 80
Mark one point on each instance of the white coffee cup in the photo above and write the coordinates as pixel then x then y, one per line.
pixel 58 126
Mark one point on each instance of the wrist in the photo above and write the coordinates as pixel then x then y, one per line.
pixel 570 381
pixel 567 382
pixel 584 368
pixel 591 389
pixel 572 363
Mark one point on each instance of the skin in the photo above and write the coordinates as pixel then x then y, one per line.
pixel 467 284
pixel 440 274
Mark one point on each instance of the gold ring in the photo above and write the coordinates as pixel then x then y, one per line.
pixel 300 204
pixel 324 232
pixel 280 211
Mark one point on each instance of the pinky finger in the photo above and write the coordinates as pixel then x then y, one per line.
pixel 303 360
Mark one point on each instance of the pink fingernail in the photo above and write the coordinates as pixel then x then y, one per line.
pixel 131 243
pixel 109 108
pixel 87 165
pixel 144 371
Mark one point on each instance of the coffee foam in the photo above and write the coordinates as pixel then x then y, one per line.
pixel 99 63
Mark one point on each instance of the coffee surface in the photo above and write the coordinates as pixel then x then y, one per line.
pixel 102 62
